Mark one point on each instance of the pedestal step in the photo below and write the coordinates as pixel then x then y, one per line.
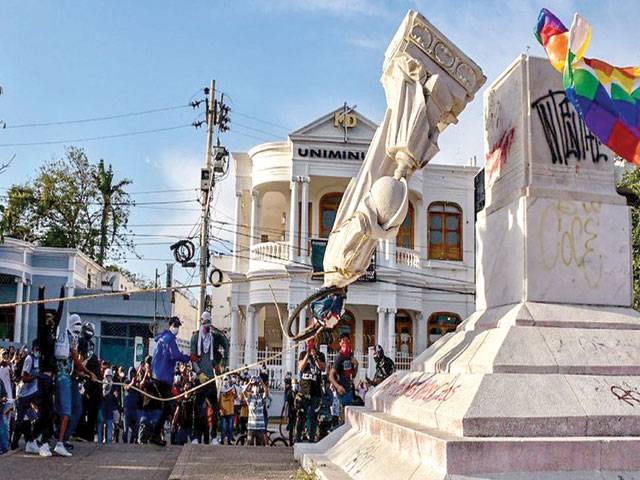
pixel 377 445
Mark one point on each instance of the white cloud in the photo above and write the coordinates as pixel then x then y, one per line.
pixel 366 43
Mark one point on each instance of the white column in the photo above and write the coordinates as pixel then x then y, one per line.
pixel 253 235
pixel 236 233
pixel 304 220
pixel 391 336
pixel 25 320
pixel 17 325
pixel 293 220
pixel 421 232
pixel 420 343
pixel 382 327
pixel 235 325
pixel 391 248
pixel 251 338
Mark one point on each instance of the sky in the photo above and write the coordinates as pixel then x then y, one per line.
pixel 280 63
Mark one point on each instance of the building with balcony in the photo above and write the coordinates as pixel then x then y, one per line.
pixel 287 194
pixel 119 319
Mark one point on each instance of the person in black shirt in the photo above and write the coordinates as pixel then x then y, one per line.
pixel 384 366
pixel 343 371
pixel 311 364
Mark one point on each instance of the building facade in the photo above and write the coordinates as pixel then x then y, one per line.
pixel 287 193
pixel 118 319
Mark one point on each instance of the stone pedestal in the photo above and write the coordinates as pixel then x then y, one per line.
pixel 543 380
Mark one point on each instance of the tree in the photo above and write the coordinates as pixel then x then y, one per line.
pixel 629 186
pixel 72 204
pixel 112 218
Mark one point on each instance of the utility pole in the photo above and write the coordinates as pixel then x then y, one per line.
pixel 206 198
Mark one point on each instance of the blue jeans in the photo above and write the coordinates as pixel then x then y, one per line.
pixel 4 430
pixel 130 425
pixel 226 428
pixel 107 423
pixel 76 409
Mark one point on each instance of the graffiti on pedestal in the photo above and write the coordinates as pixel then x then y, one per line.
pixel 565 132
pixel 497 156
pixel 626 394
pixel 568 232
pixel 426 390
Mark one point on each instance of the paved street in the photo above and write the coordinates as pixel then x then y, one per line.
pixel 147 462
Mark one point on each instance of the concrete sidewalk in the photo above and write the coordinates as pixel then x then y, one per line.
pixel 148 462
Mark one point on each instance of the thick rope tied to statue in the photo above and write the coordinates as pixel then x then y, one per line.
pixel 215 377
pixel 202 385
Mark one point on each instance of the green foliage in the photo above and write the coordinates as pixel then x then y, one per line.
pixel 630 186
pixel 302 474
pixel 71 204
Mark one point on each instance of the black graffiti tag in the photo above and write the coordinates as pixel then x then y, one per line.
pixel 630 396
pixel 564 130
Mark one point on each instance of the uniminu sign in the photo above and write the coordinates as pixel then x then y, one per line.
pixel 337 154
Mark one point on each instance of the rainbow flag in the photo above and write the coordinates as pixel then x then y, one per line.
pixel 606 97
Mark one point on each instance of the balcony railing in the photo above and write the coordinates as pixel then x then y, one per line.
pixel 407 257
pixel 270 252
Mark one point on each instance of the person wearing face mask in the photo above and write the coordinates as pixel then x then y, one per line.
pixel 384 366
pixel 68 361
pixel 92 390
pixel 311 365
pixel 203 347
pixel 165 356
pixel 226 401
pixel 27 393
pixel 344 371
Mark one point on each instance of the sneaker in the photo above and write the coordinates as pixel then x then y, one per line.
pixel 157 441
pixel 60 450
pixel 68 446
pixel 44 450
pixel 32 447
pixel 194 441
pixel 214 442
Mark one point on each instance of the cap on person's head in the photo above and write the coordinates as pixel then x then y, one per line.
pixel 345 335
pixel 35 344
pixel 205 319
pixel 379 351
pixel 108 372
pixel 175 322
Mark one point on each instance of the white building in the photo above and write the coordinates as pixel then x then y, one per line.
pixel 287 194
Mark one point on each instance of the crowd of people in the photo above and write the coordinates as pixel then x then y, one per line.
pixel 59 391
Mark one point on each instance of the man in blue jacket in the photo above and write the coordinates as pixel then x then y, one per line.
pixel 165 356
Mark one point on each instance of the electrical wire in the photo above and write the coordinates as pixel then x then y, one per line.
pixel 101 137
pixel 98 119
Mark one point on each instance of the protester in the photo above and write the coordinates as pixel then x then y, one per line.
pixel 131 420
pixel 108 407
pixel 255 393
pixel 311 364
pixel 384 366
pixel 344 371
pixel 226 401
pixel 184 416
pixel 165 357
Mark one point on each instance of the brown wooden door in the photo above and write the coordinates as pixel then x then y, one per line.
pixel 368 335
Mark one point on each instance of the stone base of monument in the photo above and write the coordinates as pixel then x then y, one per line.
pixel 516 400
pixel 543 380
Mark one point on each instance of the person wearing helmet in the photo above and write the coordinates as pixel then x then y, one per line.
pixel 344 371
pixel 92 390
pixel 384 366
pixel 165 356
pixel 68 361
pixel 311 365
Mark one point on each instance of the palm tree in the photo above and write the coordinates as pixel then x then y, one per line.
pixel 112 196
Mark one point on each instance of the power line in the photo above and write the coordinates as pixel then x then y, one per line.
pixel 250 117
pixel 101 137
pixel 98 119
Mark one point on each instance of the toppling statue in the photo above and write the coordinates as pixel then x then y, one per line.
pixel 427 83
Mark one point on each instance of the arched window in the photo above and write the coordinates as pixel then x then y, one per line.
pixel 445 231
pixel 405 233
pixel 329 204
pixel 441 323
pixel 404 334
